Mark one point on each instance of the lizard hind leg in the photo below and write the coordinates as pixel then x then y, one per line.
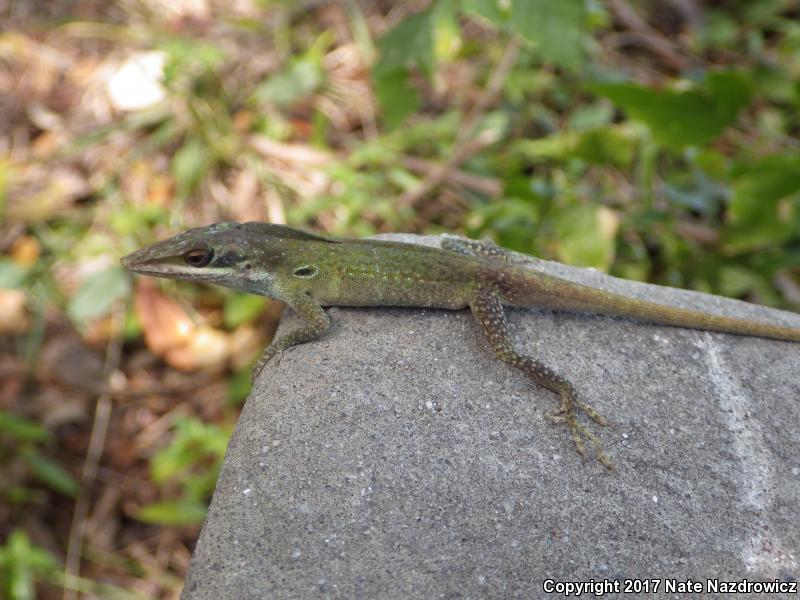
pixel 488 310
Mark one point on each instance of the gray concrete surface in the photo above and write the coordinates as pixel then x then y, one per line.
pixel 396 458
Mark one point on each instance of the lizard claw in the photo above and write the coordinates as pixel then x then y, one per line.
pixel 566 415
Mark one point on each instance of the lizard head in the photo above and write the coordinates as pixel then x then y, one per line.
pixel 243 256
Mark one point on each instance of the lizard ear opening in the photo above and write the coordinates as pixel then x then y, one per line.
pixel 199 257
pixel 306 271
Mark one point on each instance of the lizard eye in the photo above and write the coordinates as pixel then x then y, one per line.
pixel 199 257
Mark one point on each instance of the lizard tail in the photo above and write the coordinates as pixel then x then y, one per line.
pixel 547 291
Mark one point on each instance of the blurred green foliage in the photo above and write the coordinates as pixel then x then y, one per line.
pixel 688 178
pixel 579 129
pixel 98 293
pixel 604 150
pixel 557 27
pixel 23 443
pixel 692 115
pixel 21 565
pixel 188 466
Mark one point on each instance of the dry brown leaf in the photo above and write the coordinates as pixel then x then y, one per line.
pixel 25 250
pixel 244 204
pixel 47 143
pixel 243 121
pixel 99 330
pixel 14 317
pixel 207 347
pixel 135 182
pixel 171 334
pixel 166 325
pixel 245 343
pixel 12 380
pixel 41 193
pixel 161 190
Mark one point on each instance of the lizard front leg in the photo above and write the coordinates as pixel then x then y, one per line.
pixel 488 310
pixel 317 323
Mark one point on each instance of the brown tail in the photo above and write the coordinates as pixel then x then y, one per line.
pixel 548 291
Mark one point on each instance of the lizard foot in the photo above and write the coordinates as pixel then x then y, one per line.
pixel 566 414
pixel 488 310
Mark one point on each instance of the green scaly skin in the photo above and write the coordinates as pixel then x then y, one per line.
pixel 308 272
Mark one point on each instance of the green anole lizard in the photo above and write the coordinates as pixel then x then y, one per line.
pixel 308 271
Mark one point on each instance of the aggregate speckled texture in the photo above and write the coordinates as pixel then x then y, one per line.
pixel 397 458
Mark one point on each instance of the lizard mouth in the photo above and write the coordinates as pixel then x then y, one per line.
pixel 129 260
pixel 144 263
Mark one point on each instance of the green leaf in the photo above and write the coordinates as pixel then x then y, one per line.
pixel 5 178
pixel 586 236
pixel 302 79
pixel 409 42
pixel 173 513
pixel 513 222
pixel 21 564
pixel 188 56
pixel 239 386
pixel 189 165
pixel 196 445
pixel 606 145
pixel 98 293
pixel 22 429
pixel 612 145
pixel 488 9
pixel 446 30
pixel 12 275
pixel 241 308
pixel 694 190
pixel 680 117
pixel 735 282
pixel 556 26
pixel 757 212
pixel 590 116
pixel 50 473
pixel 397 97
pixel 128 220
pixel 759 188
